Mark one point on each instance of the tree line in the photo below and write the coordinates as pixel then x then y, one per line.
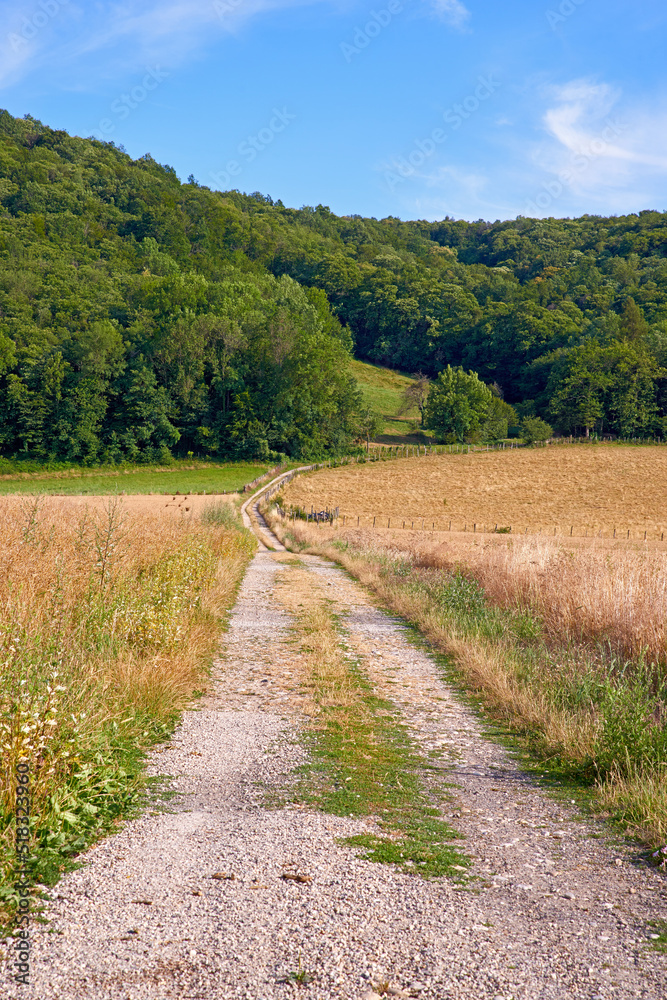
pixel 142 317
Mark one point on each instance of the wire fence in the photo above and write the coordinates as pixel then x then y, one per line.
pixel 425 524
pixel 389 452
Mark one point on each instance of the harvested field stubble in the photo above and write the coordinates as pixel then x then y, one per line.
pixel 568 645
pixel 584 487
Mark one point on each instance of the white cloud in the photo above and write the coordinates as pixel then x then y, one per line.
pixel 463 194
pixel 583 124
pixel 457 182
pixel 453 12
pixel 601 149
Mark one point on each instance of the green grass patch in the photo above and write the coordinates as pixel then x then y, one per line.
pixel 190 478
pixel 658 935
pixel 365 763
pixel 382 389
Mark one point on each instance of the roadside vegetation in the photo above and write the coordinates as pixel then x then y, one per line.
pixel 567 648
pixel 108 624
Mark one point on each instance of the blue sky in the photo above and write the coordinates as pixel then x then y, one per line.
pixel 413 108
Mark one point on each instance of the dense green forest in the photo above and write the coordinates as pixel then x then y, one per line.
pixel 141 317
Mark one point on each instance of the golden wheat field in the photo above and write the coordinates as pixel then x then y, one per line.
pixel 584 489
pixel 134 504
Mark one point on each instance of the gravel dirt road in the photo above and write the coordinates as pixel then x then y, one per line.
pixel 218 896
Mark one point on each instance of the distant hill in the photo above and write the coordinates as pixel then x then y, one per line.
pixel 140 315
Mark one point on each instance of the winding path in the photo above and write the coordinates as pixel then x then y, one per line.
pixel 191 901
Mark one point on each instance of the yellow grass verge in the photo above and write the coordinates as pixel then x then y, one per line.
pixel 108 622
pixel 596 594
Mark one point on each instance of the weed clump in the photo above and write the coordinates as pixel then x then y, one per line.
pixel 222 515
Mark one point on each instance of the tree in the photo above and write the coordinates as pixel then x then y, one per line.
pixel 458 404
pixel 236 316
pixel 369 424
pixel 634 326
pixel 535 429
pixel 577 386
pixel 499 417
pixel 615 385
pixel 631 401
pixel 415 395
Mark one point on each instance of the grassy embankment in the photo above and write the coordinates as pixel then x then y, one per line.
pixel 382 390
pixel 107 629
pixel 567 648
pixel 181 477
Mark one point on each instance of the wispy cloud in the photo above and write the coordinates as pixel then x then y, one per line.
pixel 456 191
pixel 601 149
pixel 127 35
pixel 453 12
pixel 580 115
pixel 621 143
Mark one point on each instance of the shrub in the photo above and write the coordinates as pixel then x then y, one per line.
pixel 535 429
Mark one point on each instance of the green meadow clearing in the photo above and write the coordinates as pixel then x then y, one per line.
pixel 193 478
pixel 382 389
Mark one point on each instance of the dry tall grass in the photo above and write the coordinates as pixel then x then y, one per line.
pixel 107 625
pixel 573 655
pixel 614 596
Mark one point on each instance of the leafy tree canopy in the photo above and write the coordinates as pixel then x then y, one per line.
pixel 140 316
pixel 458 405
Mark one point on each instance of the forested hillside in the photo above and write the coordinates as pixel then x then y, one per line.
pixel 141 316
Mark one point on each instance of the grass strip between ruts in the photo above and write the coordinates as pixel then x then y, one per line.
pixel 365 763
